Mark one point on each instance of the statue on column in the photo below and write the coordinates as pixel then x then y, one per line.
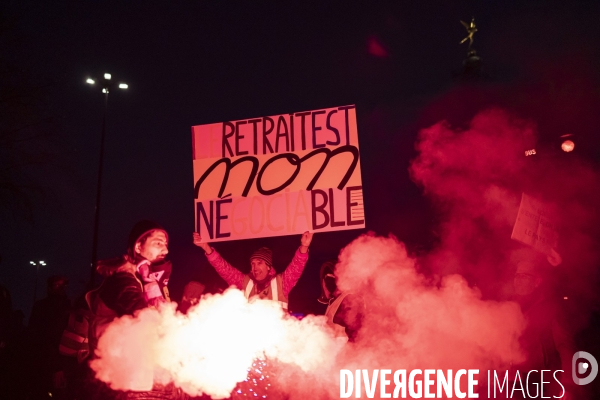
pixel 472 64
pixel 471 29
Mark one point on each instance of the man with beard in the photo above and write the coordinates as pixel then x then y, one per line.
pixel 133 282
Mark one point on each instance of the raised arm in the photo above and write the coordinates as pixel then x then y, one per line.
pixel 292 273
pixel 230 274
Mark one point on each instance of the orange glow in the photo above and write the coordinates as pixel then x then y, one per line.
pixel 221 344
pixel 567 146
pixel 210 349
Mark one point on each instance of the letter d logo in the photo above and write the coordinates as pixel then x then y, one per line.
pixel 583 367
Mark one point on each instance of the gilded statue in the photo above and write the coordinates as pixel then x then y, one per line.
pixel 471 29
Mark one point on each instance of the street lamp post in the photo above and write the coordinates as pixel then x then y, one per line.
pixel 107 84
pixel 37 270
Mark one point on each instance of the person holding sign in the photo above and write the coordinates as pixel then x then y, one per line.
pixel 263 281
pixel 546 342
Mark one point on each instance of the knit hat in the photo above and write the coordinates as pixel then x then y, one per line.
pixel 265 254
pixel 139 230
pixel 193 291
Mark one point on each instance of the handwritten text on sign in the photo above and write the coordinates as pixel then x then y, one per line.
pixel 535 226
pixel 278 175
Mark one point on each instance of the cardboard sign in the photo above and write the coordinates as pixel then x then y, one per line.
pixel 536 226
pixel 278 175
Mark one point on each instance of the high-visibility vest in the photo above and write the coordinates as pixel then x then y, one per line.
pixel 74 339
pixel 273 291
pixel 102 316
pixel 339 330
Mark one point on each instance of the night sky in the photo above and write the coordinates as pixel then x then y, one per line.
pixel 191 63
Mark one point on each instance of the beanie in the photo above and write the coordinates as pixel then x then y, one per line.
pixel 265 254
pixel 139 230
pixel 193 290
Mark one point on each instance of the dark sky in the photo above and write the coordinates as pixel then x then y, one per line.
pixel 191 63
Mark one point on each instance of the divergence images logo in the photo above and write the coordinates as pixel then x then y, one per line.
pixel 584 367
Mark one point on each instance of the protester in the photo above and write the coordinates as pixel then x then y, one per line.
pixel 191 296
pixel 263 281
pixel 546 343
pixel 345 311
pixel 13 349
pixel 6 317
pixel 74 350
pixel 133 282
pixel 46 323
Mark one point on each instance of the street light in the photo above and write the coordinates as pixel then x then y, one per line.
pixel 106 84
pixel 37 270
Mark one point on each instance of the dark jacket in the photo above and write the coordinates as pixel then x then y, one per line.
pixel 122 293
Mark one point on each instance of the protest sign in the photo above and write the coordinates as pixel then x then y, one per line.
pixel 278 175
pixel 536 226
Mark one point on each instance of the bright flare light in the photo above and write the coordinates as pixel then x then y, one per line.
pixel 212 347
pixel 107 76
pixel 32 263
pixel 104 90
pixel 90 81
pixel 123 86
pixel 567 146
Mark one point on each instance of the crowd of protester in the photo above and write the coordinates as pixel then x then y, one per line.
pixel 49 358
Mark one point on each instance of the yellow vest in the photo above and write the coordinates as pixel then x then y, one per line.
pixel 273 291
pixel 339 330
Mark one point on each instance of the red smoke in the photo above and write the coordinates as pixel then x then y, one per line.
pixel 475 177
pixel 415 322
pixel 412 322
pixel 375 47
pixel 211 348
pixel 439 310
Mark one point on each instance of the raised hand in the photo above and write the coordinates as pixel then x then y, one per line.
pixel 203 245
pixel 305 241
